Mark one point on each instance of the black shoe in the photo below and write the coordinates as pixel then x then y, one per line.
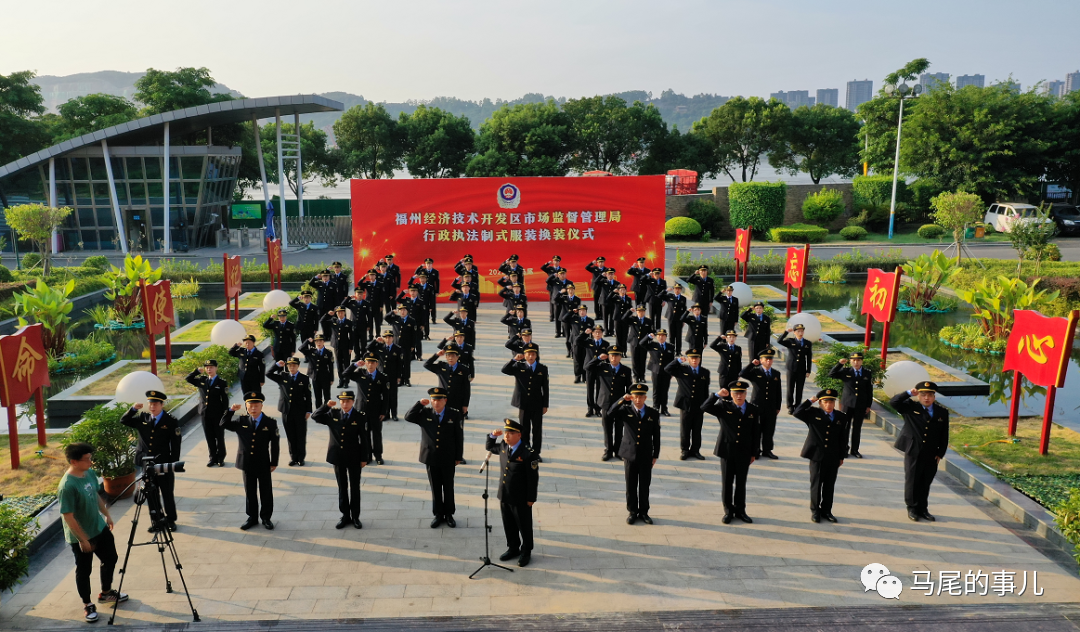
pixel 210 463
pixel 269 525
pixel 408 384
pixel 450 522
pixel 569 355
pixel 745 518
pixel 925 515
pixel 664 411
pixel 292 463
pixel 171 525
pixel 436 521
pixel 251 522
pixel 577 380
pixel 396 419
pixel 509 555
pixel 606 457
pixel 814 517
pixel 356 523
pixel 856 455
pixel 525 558
pixel 698 456
pixel 684 456
pixel 344 522
pixel 152 528
pixel 300 463
pixel 770 455
pixel 791 411
pixel 589 414
pixel 538 459
pixel 828 516
pixel 631 519
pixel 379 460
pixel 913 515
pixel 645 518
pixel 726 519
pixel 464 462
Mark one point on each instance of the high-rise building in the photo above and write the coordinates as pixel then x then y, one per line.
pixel 1072 82
pixel 1054 88
pixel 970 80
pixel 793 98
pixel 829 96
pixel 858 92
pixel 930 80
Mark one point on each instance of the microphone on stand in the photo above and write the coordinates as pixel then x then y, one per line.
pixel 483 465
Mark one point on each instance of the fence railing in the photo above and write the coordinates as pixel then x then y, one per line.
pixel 335 231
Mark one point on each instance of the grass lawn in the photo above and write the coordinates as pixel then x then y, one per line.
pixel 252 300
pixel 174 384
pixel 766 292
pixel 936 374
pixel 36 474
pixel 779 323
pixel 201 331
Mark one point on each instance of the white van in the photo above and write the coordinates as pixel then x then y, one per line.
pixel 1003 215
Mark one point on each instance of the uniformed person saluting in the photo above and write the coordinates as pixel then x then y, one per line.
pixel 728 313
pixel 256 456
pixel 924 439
pixel 766 381
pixel 341 335
pixel 800 356
pixel 252 372
pixel 639 449
pixel 294 402
pixel 856 396
pixel 374 388
pixel 441 449
pixel 613 381
pixel 575 324
pixel 826 447
pixel 159 437
pixel 737 445
pixel 213 402
pixel 758 329
pixel 284 335
pixel 697 326
pixel 694 381
pixel 518 485
pixel 320 367
pixel 704 288
pixel 640 327
pixel 531 395
pixel 349 451
pixel 661 353
pixel 307 315
pixel 730 357
pixel 591 344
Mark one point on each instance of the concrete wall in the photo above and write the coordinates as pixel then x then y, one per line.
pixel 796 194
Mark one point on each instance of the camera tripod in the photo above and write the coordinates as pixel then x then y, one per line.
pixel 163 538
pixel 486 559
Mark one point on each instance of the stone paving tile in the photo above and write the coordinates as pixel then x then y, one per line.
pixel 586 559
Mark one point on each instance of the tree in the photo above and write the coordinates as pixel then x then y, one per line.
pixel 371 141
pixel 880 117
pixel 91 113
pixel 1064 157
pixel 438 144
pixel 319 161
pixel 1032 234
pixel 37 222
pixel 607 135
pixel 821 141
pixel 20 101
pixel 742 130
pixel 165 91
pixel 675 150
pixel 528 139
pixel 955 211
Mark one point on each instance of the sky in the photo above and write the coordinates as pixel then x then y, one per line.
pixel 419 49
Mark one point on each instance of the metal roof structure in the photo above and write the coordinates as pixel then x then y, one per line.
pixel 148 129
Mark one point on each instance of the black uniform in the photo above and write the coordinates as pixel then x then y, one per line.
pixel 598 277
pixel 441 447
pixel 640 445
pixel 341 331
pixel 469 301
pixel 704 290
pixel 307 318
pixel 517 488
pixel 340 282
pixel 161 441
pixel 284 333
pixel 766 398
pixel 295 406
pixel 612 383
pixel 693 391
pixel 515 325
pixel 531 398
pixel 467 326
pixel 637 286
pixel 659 357
pixel 737 443
pixel 566 307
pixel 348 450
pixel 256 452
pixel 327 295
pixel 432 280
pixel 375 290
pixel 697 330
pixel 639 356
pixel 655 292
pixel 391 359
pixel 587 349
pixel 730 360
pixel 728 314
pixel 360 310
pixel 924 439
pixel 320 370
pixel 573 327
pixel 373 397
pixel 408 332
pixel 825 446
pixel 855 397
pixel 252 371
pixel 758 333
pixel 510 300
pixel 429 293
pixel 213 402
pixel 674 312
pixel 516 345
pixel 556 287
pixel 466 353
pixel 799 359
pixel 618 307
pixel 456 380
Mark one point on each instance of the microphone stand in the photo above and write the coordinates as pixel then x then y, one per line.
pixel 486 559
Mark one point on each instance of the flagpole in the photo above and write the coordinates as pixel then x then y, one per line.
pixel 1048 416
pixel 1014 406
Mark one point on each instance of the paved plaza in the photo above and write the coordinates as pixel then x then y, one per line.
pixel 587 559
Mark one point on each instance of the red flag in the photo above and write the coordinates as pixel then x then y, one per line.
pixel 232 276
pixel 879 298
pixel 273 255
pixel 1039 347
pixel 158 307
pixel 23 365
pixel 742 245
pixel 795 267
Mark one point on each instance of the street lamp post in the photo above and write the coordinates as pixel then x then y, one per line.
pixel 904 90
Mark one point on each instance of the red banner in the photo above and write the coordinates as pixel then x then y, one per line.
pixel 24 366
pixel 880 295
pixel 620 218
pixel 273 256
pixel 742 245
pixel 1039 347
pixel 232 276
pixel 158 307
pixel 795 267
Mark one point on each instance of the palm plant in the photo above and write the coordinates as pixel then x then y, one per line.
pixel 125 284
pixel 995 301
pixel 928 273
pixel 52 308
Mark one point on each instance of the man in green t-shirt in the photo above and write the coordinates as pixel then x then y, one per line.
pixel 87 527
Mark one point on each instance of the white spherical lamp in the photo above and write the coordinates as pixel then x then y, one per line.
pixel 808 320
pixel 227 333
pixel 903 376
pixel 742 292
pixel 275 299
pixel 132 388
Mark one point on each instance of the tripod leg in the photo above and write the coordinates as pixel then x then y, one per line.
pixel 127 555
pixel 180 572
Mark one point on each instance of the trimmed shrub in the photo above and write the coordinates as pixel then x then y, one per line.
pixel 1049 253
pixel 853 233
pixel 682 229
pixel 931 231
pixel 706 213
pixel 823 207
pixel 867 191
pixel 97 262
pixel 31 260
pixel 6 276
pixel 799 233
pixel 757 204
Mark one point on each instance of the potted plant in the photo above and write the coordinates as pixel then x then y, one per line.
pixel 114 446
pixel 15 537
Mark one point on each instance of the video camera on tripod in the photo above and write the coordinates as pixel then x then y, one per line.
pixel 149 467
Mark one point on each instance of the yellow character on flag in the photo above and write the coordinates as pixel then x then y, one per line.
pixel 161 300
pixel 878 294
pixel 26 362
pixel 1034 347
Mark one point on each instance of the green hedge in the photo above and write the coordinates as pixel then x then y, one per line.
pixel 773 262
pixel 824 206
pixel 706 213
pixel 931 231
pixel 681 229
pixel 757 204
pixel 867 190
pixel 799 234
pixel 853 233
pixel 254 270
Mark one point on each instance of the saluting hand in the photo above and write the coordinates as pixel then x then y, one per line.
pixel 331 403
pixel 519 357
pixel 138 406
pixel 280 363
pixel 723 392
pixel 756 362
pixel 235 407
pixel 425 402
pixel 843 360
pixel 626 397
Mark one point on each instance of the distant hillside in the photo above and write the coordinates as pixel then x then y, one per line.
pixel 59 90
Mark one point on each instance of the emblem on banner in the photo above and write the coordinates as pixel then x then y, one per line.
pixel 509 196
